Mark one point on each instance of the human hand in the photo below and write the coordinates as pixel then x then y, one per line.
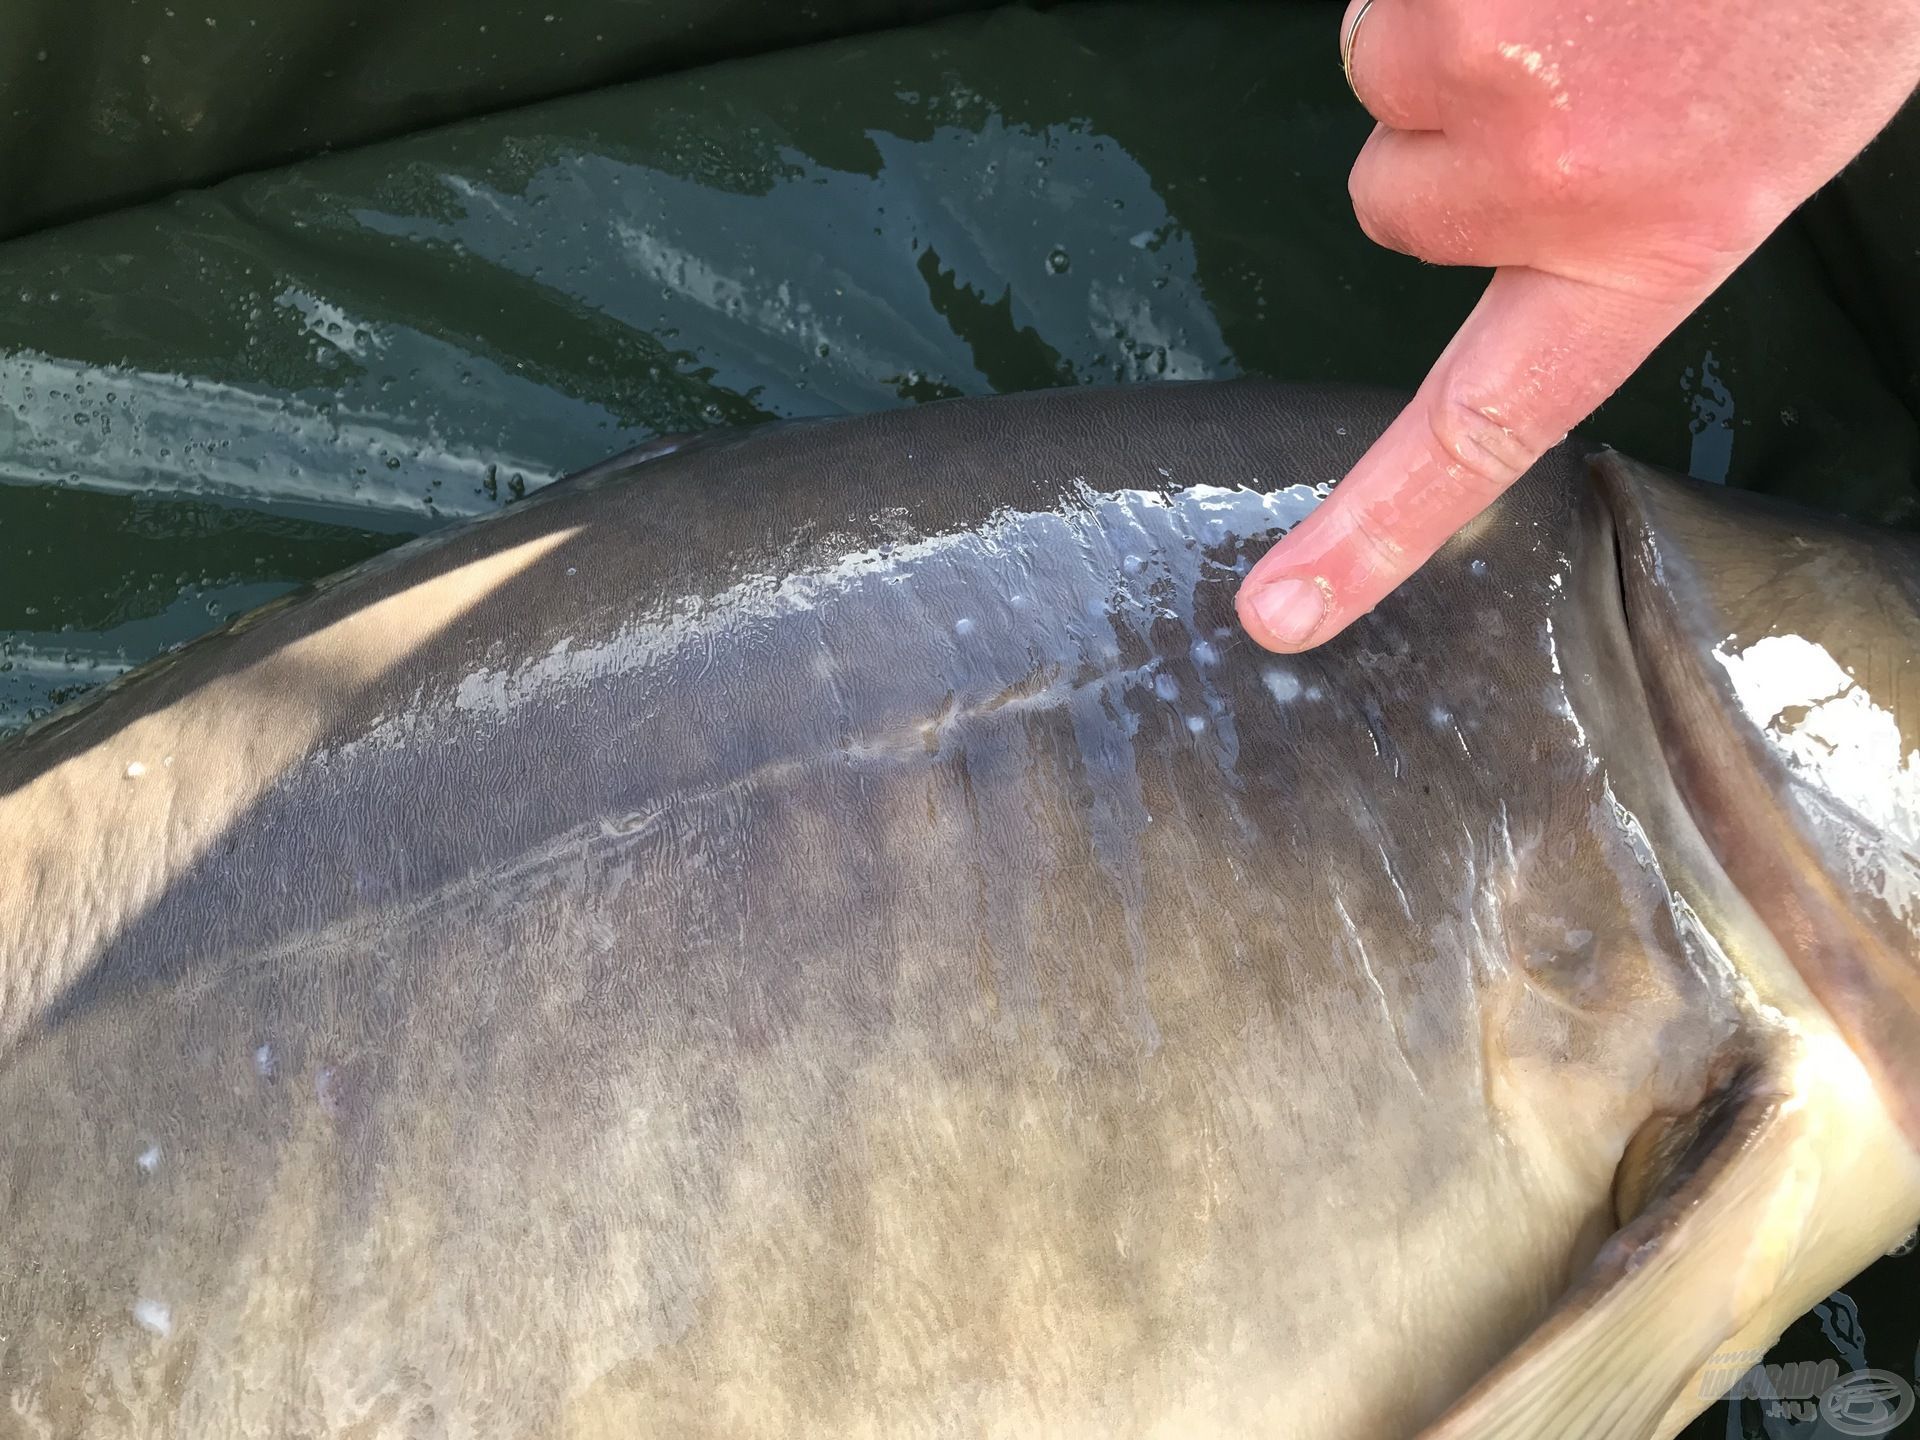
pixel 1615 160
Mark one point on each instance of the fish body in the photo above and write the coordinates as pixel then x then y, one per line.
pixel 834 931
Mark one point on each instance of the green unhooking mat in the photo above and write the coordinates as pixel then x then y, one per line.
pixel 104 103
pixel 215 397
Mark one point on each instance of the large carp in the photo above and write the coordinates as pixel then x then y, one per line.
pixel 833 932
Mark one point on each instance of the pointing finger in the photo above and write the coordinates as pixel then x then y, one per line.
pixel 1537 356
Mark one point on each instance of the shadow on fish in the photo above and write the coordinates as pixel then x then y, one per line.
pixel 833 931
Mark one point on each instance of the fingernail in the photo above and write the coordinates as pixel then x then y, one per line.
pixel 1291 610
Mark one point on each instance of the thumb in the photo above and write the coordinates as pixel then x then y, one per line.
pixel 1537 356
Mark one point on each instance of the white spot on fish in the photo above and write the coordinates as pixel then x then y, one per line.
pixel 154 1317
pixel 149 1159
pixel 1196 724
pixel 330 1087
pixel 1133 564
pixel 1440 716
pixel 136 770
pixel 1478 569
pixel 264 1063
pixel 1205 653
pixel 963 626
pixel 1166 687
pixel 1283 686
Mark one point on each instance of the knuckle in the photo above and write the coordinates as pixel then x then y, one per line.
pixel 1387 94
pixel 1383 228
pixel 1479 446
pixel 1409 220
pixel 1397 223
pixel 1455 238
pixel 1381 223
pixel 1375 537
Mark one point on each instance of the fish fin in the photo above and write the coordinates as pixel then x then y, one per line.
pixel 1686 1273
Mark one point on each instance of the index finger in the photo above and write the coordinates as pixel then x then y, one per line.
pixel 1539 353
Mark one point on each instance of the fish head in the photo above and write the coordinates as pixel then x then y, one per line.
pixel 1780 654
